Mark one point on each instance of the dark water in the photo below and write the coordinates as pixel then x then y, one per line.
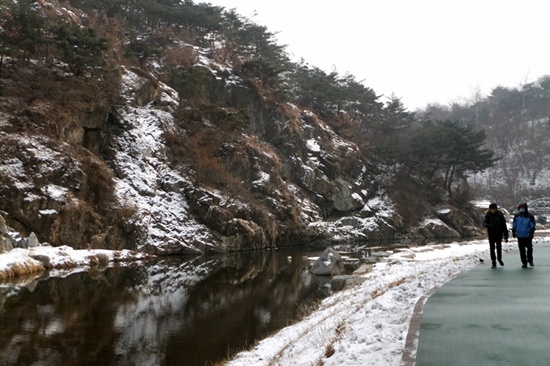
pixel 170 312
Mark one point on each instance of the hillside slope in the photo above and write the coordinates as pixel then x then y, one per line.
pixel 124 161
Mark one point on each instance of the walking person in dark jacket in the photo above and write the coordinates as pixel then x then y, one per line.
pixel 523 227
pixel 495 223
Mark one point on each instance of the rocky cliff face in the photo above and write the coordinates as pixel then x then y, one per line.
pixel 118 177
pixel 142 167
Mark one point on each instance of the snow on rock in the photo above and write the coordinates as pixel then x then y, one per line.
pixel 380 211
pixel 358 198
pixel 55 192
pixel 146 181
pixel 482 204
pixel 21 262
pixel 262 179
pixel 431 224
pixel 313 145
pixel 18 263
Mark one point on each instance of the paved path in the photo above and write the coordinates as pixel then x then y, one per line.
pixel 490 316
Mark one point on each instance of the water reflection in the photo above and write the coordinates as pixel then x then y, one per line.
pixel 171 312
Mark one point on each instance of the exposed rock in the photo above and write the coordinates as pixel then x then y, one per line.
pixel 363 269
pixel 3 227
pixel 344 282
pixel 16 240
pixel 436 228
pixel 119 162
pixel 379 254
pixel 405 253
pixel 5 244
pixel 44 259
pixel 330 263
pixel 461 221
pixel 32 241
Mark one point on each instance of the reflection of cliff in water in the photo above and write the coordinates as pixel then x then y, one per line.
pixel 172 312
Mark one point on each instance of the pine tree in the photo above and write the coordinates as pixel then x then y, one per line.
pixel 80 47
pixel 21 29
pixel 447 152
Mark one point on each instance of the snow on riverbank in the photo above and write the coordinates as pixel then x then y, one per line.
pixel 368 325
pixel 24 262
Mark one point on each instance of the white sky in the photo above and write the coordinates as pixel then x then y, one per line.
pixel 422 51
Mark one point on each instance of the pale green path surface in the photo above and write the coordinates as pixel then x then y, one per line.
pixel 490 316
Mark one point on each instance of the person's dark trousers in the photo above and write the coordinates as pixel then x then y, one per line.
pixel 495 242
pixel 525 250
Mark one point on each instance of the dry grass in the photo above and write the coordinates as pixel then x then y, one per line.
pixel 181 56
pixel 210 168
pixel 379 292
pixel 229 357
pixel 99 187
pixel 22 269
pixel 338 334
pixel 98 260
pixel 326 341
pixel 329 350
pixel 305 309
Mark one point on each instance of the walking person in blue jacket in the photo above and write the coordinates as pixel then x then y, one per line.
pixel 523 228
pixel 495 223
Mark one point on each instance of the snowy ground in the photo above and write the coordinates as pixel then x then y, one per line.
pixel 368 325
pixel 20 265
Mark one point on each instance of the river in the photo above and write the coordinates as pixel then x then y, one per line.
pixel 173 311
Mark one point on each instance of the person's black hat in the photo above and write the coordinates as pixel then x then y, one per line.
pixel 493 205
pixel 522 205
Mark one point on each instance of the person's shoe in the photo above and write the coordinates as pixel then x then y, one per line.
pixel 524 266
pixel 494 265
pixel 501 262
pixel 531 264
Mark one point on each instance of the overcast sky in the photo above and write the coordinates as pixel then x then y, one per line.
pixel 423 51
